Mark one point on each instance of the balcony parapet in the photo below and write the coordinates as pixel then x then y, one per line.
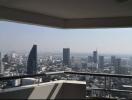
pixel 61 89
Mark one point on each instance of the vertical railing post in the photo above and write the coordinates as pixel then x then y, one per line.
pixel 109 86
pixel 105 85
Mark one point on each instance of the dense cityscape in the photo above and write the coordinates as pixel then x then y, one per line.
pixel 66 49
pixel 15 64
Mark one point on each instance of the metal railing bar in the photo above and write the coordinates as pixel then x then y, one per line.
pixel 111 90
pixel 66 72
pixel 100 74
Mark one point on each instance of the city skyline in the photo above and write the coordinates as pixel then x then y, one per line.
pixel 20 37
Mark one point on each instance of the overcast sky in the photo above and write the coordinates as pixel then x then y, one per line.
pixel 21 37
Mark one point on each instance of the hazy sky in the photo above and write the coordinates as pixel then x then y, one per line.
pixel 21 37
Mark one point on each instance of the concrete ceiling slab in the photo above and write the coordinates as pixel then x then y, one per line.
pixel 69 13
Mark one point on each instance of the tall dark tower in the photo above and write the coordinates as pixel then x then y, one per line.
pixel 95 56
pixel 66 56
pixel 32 61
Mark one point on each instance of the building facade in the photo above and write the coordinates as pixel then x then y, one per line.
pixel 118 66
pixel 66 56
pixel 32 61
pixel 101 62
pixel 113 58
pixel 95 56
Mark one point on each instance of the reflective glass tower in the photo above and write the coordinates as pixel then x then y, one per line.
pixel 32 61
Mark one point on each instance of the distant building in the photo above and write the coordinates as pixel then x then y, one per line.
pixel 101 62
pixel 66 56
pixel 6 58
pixel 0 62
pixel 118 66
pixel 1 65
pixel 72 61
pixel 95 56
pixel 13 55
pixel 113 58
pixel 90 59
pixel 32 61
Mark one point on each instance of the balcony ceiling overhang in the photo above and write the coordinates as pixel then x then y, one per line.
pixel 69 13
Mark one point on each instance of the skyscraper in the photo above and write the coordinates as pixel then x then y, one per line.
pixel 32 61
pixel 101 62
pixel 118 66
pixel 95 54
pixel 113 58
pixel 0 64
pixel 66 56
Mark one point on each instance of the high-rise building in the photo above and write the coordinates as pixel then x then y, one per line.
pixel 1 65
pixel 118 66
pixel 0 62
pixel 32 61
pixel 66 56
pixel 113 58
pixel 101 62
pixel 95 55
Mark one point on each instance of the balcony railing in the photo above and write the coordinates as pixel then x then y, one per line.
pixel 106 91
